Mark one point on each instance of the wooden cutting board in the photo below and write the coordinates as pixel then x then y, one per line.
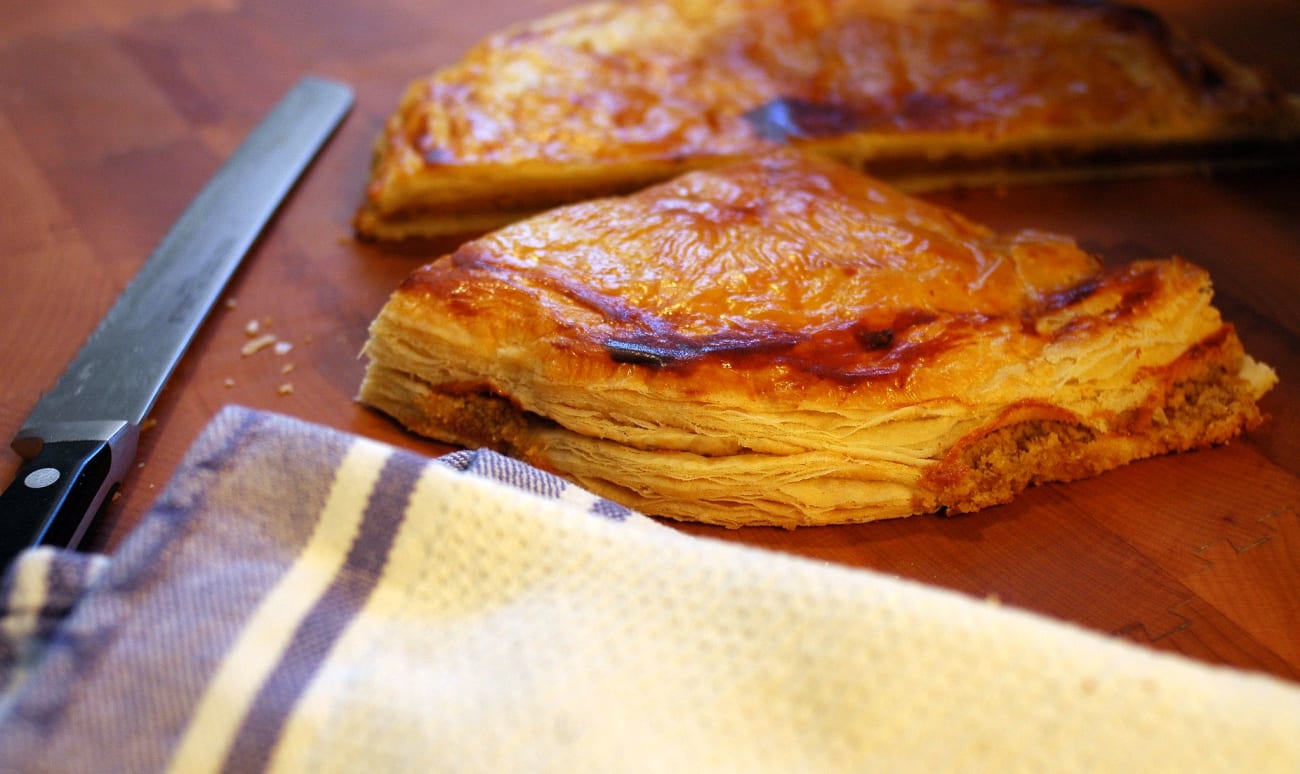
pixel 112 115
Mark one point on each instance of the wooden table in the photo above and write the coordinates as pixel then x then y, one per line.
pixel 112 115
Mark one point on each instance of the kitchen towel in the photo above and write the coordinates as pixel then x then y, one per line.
pixel 303 600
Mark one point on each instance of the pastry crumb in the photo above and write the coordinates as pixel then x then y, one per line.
pixel 283 347
pixel 257 344
pixel 285 389
pixel 251 328
pixel 287 369
pixel 229 382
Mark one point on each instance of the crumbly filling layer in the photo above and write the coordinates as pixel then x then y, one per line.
pixel 1210 409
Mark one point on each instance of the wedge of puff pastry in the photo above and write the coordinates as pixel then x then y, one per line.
pixel 786 341
pixel 609 97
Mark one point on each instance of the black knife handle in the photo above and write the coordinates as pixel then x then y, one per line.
pixel 54 495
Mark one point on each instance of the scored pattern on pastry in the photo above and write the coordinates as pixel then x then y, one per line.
pixel 784 340
pixel 609 97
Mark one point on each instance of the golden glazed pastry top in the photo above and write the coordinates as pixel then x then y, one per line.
pixel 782 340
pixel 670 78
pixel 610 97
pixel 839 283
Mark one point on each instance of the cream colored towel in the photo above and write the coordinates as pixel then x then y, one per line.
pixel 301 600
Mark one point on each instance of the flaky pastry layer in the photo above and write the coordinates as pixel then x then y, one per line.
pixel 608 97
pixel 786 341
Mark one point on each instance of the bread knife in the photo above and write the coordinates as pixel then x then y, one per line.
pixel 80 438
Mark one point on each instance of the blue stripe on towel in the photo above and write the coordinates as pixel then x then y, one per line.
pixel 507 470
pixel 180 589
pixel 320 630
pixel 175 594
pixel 498 467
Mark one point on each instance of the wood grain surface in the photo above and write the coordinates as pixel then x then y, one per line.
pixel 114 114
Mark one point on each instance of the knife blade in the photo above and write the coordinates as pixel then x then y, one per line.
pixel 81 436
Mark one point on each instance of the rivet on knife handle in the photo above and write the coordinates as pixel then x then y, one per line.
pixel 80 438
